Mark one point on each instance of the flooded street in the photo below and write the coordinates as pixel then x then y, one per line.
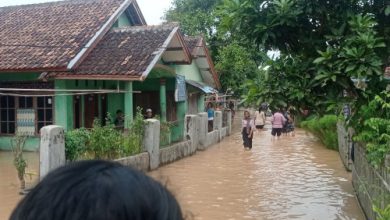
pixel 291 178
pixel 9 182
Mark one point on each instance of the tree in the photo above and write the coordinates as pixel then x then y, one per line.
pixel 196 17
pixel 349 42
pixel 235 65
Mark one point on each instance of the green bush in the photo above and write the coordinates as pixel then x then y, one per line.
pixel 105 142
pixel 373 128
pixel 75 143
pixel 325 128
pixel 133 140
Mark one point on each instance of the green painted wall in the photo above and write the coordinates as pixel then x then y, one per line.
pixel 19 76
pixel 123 21
pixel 32 143
pixel 191 72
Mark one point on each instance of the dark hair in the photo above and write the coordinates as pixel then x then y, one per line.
pixel 98 190
pixel 118 111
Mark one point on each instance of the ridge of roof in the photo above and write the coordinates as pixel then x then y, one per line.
pixel 46 4
pixel 135 29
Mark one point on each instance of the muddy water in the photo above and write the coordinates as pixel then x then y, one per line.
pixel 9 182
pixel 291 178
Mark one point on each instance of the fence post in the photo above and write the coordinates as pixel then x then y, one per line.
pixel 191 130
pixel 203 130
pixel 151 142
pixel 51 150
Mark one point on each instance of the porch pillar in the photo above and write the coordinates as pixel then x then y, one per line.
pixel 163 99
pixel 128 109
pixel 201 107
pixel 63 107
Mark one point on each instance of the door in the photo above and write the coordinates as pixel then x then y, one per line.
pixel 91 110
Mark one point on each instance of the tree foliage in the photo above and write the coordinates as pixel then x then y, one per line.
pixel 235 65
pixel 196 17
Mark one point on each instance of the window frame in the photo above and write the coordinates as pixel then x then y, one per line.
pixel 36 108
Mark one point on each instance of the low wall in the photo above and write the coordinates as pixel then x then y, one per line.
pixel 139 161
pixel 372 185
pixel 176 152
pixel 211 139
pixel 345 144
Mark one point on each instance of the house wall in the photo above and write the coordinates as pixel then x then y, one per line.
pixel 152 84
pixel 32 143
pixel 123 21
pixel 191 71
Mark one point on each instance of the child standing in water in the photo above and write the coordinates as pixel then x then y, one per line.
pixel 248 126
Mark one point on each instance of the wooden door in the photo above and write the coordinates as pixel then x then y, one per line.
pixel 91 110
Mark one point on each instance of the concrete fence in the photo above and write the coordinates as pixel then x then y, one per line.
pixel 372 186
pixel 196 135
pixel 345 145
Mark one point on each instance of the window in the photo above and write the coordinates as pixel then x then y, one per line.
pixel 44 112
pixel 7 115
pixel 25 102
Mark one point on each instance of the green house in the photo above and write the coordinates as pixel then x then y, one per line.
pixel 69 63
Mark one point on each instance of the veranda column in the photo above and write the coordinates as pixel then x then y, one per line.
pixel 163 99
pixel 128 110
pixel 63 106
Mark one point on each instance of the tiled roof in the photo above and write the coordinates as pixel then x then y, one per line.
pixel 49 35
pixel 192 43
pixel 124 53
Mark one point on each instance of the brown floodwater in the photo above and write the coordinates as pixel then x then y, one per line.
pixel 291 178
pixel 9 182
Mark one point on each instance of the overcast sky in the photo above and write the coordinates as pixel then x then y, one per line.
pixel 152 10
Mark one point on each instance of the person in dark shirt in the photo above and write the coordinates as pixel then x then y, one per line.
pixel 119 120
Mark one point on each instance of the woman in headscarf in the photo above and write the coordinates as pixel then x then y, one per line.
pixel 248 126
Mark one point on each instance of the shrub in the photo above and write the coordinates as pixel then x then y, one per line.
pixel 373 128
pixel 76 143
pixel 325 128
pixel 134 138
pixel 105 141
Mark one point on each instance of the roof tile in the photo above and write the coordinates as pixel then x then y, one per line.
pixel 123 52
pixel 49 35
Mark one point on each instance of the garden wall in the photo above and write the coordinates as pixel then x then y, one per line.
pixel 139 161
pixel 372 185
pixel 175 152
pixel 196 134
pixel 345 144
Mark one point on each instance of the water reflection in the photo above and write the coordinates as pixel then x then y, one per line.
pixel 291 178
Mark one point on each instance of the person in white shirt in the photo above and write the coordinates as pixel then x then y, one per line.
pixel 260 119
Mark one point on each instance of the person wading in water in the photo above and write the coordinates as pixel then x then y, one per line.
pixel 248 126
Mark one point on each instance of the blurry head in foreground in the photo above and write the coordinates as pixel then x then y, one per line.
pixel 98 190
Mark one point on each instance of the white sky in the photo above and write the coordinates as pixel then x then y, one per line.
pixel 152 10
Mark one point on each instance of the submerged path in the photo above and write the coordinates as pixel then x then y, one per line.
pixel 291 178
